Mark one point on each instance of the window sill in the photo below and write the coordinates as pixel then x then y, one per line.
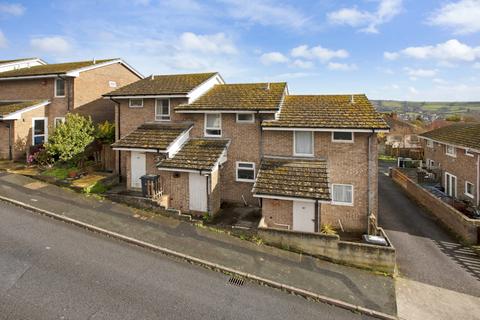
pixel 471 196
pixel 342 204
pixel 243 180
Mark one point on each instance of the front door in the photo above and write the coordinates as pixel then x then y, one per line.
pixel 197 192
pixel 450 185
pixel 138 168
pixel 303 216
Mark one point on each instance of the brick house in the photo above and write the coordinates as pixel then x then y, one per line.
pixel 35 96
pixel 455 149
pixel 306 160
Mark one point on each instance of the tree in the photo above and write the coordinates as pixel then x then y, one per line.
pixel 70 139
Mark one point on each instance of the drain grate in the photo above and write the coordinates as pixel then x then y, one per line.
pixel 236 281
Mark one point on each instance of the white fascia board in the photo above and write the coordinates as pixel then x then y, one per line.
pixel 178 143
pixel 17 114
pixel 138 150
pixel 289 198
pixel 40 61
pixel 181 170
pixel 31 77
pixel 76 72
pixel 156 96
pixel 222 111
pixel 450 144
pixel 323 129
pixel 201 89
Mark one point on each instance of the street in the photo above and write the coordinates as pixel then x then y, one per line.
pixel 52 270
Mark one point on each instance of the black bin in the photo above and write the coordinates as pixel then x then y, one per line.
pixel 150 185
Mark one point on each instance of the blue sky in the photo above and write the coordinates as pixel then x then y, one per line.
pixel 388 49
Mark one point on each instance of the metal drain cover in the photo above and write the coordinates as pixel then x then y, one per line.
pixel 236 281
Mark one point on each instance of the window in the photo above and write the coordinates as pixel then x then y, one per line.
pixel 245 117
pixel 136 103
pixel 468 153
pixel 59 88
pixel 246 171
pixel 58 120
pixel 469 189
pixel 340 136
pixel 39 130
pixel 162 110
pixel 430 143
pixel 431 164
pixel 112 84
pixel 213 125
pixel 342 194
pixel 450 185
pixel 303 143
pixel 450 151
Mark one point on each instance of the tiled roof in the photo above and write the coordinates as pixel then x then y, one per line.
pixel 197 154
pixel 293 178
pixel 246 96
pixel 50 69
pixel 8 107
pixel 328 111
pixel 460 134
pixel 163 84
pixel 158 136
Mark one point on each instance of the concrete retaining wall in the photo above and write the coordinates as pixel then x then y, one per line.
pixel 467 229
pixel 332 248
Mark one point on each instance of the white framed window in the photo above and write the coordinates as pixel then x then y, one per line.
pixel 303 143
pixel 430 163
pixel 57 121
pixel 213 125
pixel 342 194
pixel 135 103
pixel 342 136
pixel 469 189
pixel 59 88
pixel 450 185
pixel 430 143
pixel 162 110
pixel 469 153
pixel 112 84
pixel 39 130
pixel 245 171
pixel 450 151
pixel 245 117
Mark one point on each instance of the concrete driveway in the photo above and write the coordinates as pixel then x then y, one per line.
pixel 437 274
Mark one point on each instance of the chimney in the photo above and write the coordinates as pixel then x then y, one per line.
pixel 352 99
pixel 268 86
pixel 94 60
pixel 153 77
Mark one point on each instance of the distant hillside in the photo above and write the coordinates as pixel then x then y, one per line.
pixel 429 107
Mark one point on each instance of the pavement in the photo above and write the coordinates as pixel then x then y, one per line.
pixel 339 283
pixel 439 278
pixel 53 270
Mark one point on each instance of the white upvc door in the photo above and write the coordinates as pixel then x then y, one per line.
pixel 451 185
pixel 197 189
pixel 138 168
pixel 303 216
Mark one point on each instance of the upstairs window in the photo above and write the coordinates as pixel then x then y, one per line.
pixel 342 194
pixel 59 88
pixel 162 110
pixel 135 103
pixel 213 125
pixel 469 153
pixel 450 151
pixel 341 136
pixel 430 143
pixel 303 143
pixel 245 118
pixel 246 171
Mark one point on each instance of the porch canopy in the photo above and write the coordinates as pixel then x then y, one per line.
pixel 12 110
pixel 290 179
pixel 197 155
pixel 154 137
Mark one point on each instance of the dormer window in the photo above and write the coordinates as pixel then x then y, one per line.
pixel 162 110
pixel 59 88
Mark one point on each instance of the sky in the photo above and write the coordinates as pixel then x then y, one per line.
pixel 388 49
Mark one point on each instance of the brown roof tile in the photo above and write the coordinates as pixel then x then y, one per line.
pixel 8 107
pixel 163 84
pixel 328 111
pixel 50 69
pixel 460 134
pixel 197 154
pixel 245 96
pixel 293 178
pixel 158 136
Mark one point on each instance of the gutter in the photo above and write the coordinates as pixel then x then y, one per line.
pixel 10 151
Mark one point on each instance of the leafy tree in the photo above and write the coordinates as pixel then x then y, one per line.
pixel 105 132
pixel 70 139
pixel 453 118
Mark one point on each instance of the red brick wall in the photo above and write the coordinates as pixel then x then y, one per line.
pixel 277 213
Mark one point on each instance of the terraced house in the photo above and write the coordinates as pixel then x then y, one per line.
pixel 35 96
pixel 455 150
pixel 305 160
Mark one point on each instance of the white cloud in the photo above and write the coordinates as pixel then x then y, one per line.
pixel 341 66
pixel 273 57
pixel 302 64
pixel 421 73
pixel 412 90
pixel 368 21
pixel 318 52
pixel 451 50
pixel 53 45
pixel 267 12
pixel 462 16
pixel 12 9
pixel 440 81
pixel 3 40
pixel 391 55
pixel 476 65
pixel 214 43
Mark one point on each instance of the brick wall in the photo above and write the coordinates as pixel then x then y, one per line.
pixel 462 166
pixel 277 213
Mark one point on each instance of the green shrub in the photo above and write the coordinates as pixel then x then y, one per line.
pixel 105 132
pixel 96 188
pixel 328 229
